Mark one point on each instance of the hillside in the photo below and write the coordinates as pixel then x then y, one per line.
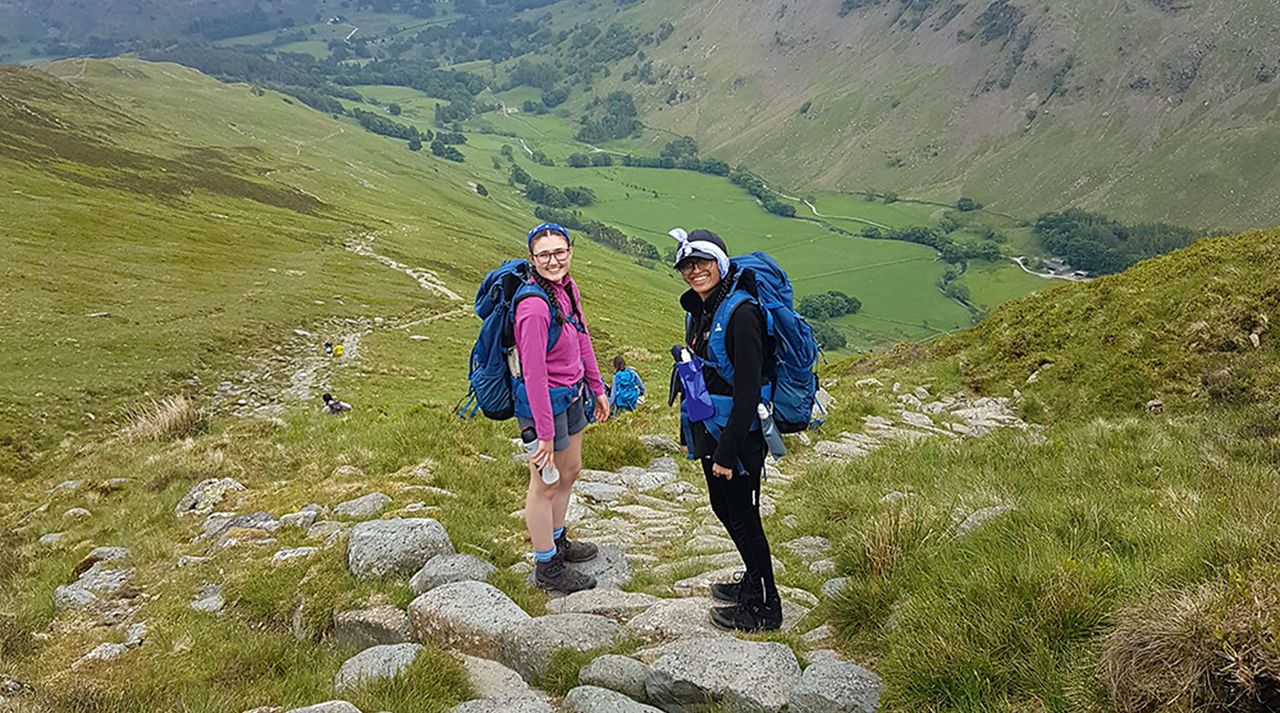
pixel 1146 110
pixel 997 520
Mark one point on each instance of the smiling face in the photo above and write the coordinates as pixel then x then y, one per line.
pixel 700 275
pixel 551 255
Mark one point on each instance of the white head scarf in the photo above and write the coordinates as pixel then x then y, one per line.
pixel 687 247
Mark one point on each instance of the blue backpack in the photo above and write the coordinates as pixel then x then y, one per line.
pixel 792 382
pixel 626 389
pixel 494 390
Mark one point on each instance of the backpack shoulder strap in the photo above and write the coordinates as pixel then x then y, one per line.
pixel 531 289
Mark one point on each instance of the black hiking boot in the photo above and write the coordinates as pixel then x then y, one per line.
pixel 575 551
pixel 555 575
pixel 748 617
pixel 728 592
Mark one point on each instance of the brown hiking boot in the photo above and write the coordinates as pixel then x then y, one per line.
pixel 556 576
pixel 575 551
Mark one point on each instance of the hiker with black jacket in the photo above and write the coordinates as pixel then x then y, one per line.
pixel 730 444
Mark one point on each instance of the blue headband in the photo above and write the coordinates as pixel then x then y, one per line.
pixel 545 227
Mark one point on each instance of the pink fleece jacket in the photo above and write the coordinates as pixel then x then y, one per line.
pixel 569 360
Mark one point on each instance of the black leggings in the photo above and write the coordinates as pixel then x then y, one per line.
pixel 736 503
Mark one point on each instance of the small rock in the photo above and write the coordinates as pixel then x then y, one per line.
pixel 375 663
pixel 100 554
pixel 616 673
pixel 894 496
pixel 828 686
pixel 378 625
pixel 209 600
pixel 980 517
pixel 103 652
pixel 822 567
pixel 528 646
pixel 382 548
pixel 328 530
pixel 833 588
pixel 76 514
pixel 296 553
pixel 346 471
pixel 191 560
pixel 443 569
pixel 135 634
pixel 809 547
pixel 743 674
pixel 363 506
pixel 303 519
pixel 599 492
pixel 1155 406
pixel 491 679
pixel 591 699
pixel 506 705
pixel 52 538
pixel 819 635
pixel 664 444
pixel 207 495
pixel 469 617
pixel 327 707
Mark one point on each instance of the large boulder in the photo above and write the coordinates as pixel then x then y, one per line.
pixel 444 569
pixel 469 617
pixel 743 675
pixel 362 628
pixel 590 699
pixel 613 603
pixel 205 496
pixel 363 506
pixel 528 647
pixel 616 673
pixel 375 663
pixel 675 619
pixel 382 548
pixel 833 686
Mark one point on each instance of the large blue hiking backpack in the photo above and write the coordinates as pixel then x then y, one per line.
pixel 626 387
pixel 494 389
pixel 792 382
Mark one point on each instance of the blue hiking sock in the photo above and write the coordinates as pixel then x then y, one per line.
pixel 545 555
pixel 557 533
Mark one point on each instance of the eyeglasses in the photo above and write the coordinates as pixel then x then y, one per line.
pixel 695 265
pixel 545 258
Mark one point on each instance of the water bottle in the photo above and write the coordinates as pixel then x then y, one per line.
pixel 530 437
pixel 772 438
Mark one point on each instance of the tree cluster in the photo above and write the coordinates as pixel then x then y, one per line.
pixel 1101 245
pixel 771 201
pixel 828 305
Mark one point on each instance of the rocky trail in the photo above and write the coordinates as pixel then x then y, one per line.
pixel 656 532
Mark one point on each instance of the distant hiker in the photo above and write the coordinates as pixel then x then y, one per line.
pixel 328 348
pixel 334 406
pixel 627 387
pixel 729 371
pixel 551 398
pixel 337 350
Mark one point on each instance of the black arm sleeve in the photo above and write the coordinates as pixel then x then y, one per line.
pixel 746 353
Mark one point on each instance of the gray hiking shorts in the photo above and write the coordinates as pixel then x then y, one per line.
pixel 569 423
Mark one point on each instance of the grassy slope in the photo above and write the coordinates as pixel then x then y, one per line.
pixel 881 92
pixel 1120 508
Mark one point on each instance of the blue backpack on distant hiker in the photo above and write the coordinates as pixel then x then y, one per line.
pixel 495 389
pixel 626 389
pixel 791 383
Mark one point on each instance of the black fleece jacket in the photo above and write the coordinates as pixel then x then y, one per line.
pixel 745 343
